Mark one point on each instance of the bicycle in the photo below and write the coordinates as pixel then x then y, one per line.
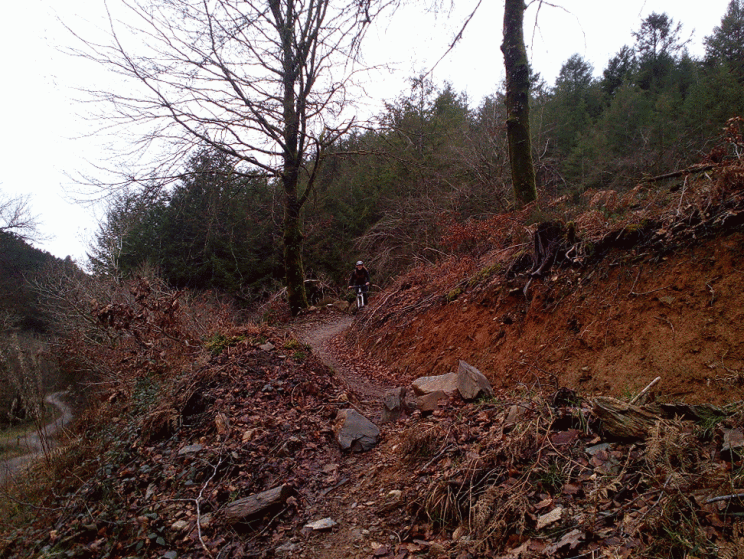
pixel 360 290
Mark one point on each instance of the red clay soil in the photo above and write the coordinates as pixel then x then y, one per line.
pixel 608 329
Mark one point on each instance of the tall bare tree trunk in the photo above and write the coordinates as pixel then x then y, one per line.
pixel 294 271
pixel 517 103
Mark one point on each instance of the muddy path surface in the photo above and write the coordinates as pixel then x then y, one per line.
pixel 35 443
pixel 365 378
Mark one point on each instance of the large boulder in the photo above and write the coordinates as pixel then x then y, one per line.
pixel 444 383
pixel 354 432
pixel 471 383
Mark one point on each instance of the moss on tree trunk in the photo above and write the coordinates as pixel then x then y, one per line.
pixel 517 103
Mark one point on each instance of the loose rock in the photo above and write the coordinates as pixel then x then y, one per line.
pixel 354 432
pixel 442 383
pixel 471 383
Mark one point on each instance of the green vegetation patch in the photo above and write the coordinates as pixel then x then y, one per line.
pixel 485 274
pixel 217 343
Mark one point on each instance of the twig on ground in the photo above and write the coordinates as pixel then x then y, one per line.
pixel 725 498
pixel 662 319
pixel 642 392
pixel 712 292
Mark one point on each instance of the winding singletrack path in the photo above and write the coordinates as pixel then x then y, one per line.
pixel 35 443
pixel 353 370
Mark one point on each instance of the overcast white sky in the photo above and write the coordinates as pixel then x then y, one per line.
pixel 44 141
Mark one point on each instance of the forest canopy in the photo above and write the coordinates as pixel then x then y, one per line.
pixel 387 193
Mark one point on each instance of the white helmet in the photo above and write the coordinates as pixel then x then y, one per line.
pixel 360 263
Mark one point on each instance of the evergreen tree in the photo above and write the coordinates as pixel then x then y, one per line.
pixel 725 46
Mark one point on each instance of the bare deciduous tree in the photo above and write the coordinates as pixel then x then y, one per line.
pixel 264 81
pixel 16 217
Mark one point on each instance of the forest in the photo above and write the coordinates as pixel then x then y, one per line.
pixel 201 380
pixel 398 192
pixel 390 193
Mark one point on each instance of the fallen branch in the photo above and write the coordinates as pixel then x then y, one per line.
pixel 725 498
pixel 687 171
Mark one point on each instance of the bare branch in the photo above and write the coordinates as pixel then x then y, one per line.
pixel 16 217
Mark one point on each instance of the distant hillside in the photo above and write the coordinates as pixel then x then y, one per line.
pixel 20 262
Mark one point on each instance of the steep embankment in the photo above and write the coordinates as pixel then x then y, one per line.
pixel 638 284
pixel 609 328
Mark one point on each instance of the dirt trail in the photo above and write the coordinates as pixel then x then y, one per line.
pixel 363 377
pixel 36 442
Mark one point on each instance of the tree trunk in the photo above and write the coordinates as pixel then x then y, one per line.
pixel 294 271
pixel 517 103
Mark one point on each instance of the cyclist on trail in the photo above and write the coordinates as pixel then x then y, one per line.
pixel 360 276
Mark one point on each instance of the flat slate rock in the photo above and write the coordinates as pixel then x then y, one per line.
pixel 444 383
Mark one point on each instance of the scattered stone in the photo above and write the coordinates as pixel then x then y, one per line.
pixel 733 442
pixel 513 416
pixel 471 383
pixel 190 449
pixel 430 402
pixel 354 432
pixel 321 525
pixel 458 533
pixel 393 405
pixel 248 508
pixel 550 518
pixel 287 549
pixel 179 525
pixel 268 346
pixel 444 383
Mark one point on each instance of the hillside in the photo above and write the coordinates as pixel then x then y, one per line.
pixel 195 414
pixel 20 263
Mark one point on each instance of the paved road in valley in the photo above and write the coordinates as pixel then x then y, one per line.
pixel 34 443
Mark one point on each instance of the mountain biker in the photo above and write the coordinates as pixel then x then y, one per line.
pixel 360 276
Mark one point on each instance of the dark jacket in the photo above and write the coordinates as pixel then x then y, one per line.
pixel 359 277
